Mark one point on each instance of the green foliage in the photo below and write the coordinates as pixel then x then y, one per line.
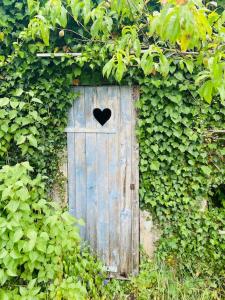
pixel 179 28
pixel 182 165
pixel 40 252
pixel 33 105
pixel 158 280
pixel 29 115
pixel 181 160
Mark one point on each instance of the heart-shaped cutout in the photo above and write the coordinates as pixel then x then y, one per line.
pixel 102 116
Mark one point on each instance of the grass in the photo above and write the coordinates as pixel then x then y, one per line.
pixel 159 281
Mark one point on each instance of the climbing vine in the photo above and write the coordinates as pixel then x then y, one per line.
pixel 176 55
pixel 181 166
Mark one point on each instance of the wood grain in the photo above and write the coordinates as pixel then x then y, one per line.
pixel 102 168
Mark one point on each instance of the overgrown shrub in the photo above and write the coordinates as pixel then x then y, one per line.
pixel 41 256
pixel 159 281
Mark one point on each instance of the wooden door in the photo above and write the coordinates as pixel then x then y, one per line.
pixel 103 174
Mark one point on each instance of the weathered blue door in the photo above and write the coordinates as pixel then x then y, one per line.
pixel 103 173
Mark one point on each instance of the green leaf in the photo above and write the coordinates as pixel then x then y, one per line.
pixel 190 65
pixel 18 92
pixel 120 68
pixel 154 165
pixel 206 170
pixel 107 69
pixel 17 235
pixel 13 205
pixel 21 139
pixel 206 90
pixel 36 100
pixel 3 253
pixel 23 193
pixel 32 140
pixel 6 192
pixel 4 101
pixel 75 7
pixel 44 33
pixel 164 65
pixel 147 63
pixel 63 17
pixel 32 235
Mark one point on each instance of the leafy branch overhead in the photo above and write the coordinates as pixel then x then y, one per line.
pixel 135 37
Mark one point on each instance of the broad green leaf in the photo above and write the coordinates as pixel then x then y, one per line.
pixel 18 92
pixel 4 101
pixel 76 7
pixel 206 170
pixel 107 69
pixel 63 17
pixel 13 205
pixel 17 235
pixel 37 100
pixel 21 139
pixel 147 63
pixel 190 65
pixel 6 192
pixel 164 65
pixel 23 193
pixel 44 32
pixel 3 253
pixel 3 294
pixel 154 165
pixel 206 91
pixel 32 140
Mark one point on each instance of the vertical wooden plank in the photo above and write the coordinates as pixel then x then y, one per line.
pixel 114 180
pixel 91 217
pixel 80 161
pixel 71 163
pixel 135 182
pixel 102 183
pixel 125 169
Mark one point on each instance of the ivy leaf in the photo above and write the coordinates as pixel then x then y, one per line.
pixel 18 92
pixel 154 165
pixel 32 140
pixel 206 170
pixel 36 100
pixel 21 139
